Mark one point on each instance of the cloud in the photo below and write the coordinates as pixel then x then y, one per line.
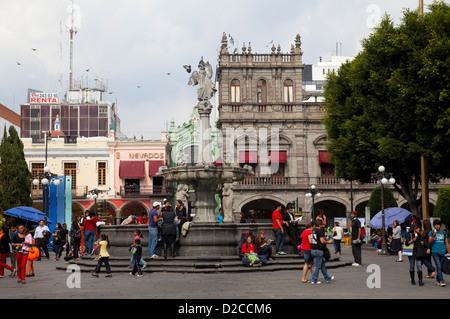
pixel 137 42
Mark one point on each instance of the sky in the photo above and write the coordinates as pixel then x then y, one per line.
pixel 132 45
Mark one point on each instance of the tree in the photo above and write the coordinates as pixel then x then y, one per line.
pixel 375 200
pixel 389 106
pixel 442 208
pixel 15 177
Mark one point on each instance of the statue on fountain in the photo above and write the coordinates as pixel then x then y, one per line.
pixel 206 87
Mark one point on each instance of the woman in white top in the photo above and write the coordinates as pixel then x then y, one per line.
pixel 337 237
pixel 396 242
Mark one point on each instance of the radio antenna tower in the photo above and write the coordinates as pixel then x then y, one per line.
pixel 72 31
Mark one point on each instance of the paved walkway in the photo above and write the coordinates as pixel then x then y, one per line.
pixel 350 283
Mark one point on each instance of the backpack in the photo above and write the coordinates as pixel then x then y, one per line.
pixel 244 236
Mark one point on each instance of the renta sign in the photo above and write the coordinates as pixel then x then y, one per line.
pixel 43 98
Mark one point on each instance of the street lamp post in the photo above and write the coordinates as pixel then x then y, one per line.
pixel 313 192
pixel 95 193
pixel 382 178
pixel 46 178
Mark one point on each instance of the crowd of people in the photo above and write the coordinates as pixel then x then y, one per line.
pixel 423 243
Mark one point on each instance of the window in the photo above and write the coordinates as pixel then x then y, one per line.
pixel 101 173
pixel 235 91
pixel 262 91
pixel 71 169
pixel 36 169
pixel 288 91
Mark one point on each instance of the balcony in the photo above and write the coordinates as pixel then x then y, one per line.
pixel 131 191
pixel 79 191
pixel 261 181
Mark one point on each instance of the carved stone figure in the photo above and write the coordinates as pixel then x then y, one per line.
pixel 202 78
pixel 227 202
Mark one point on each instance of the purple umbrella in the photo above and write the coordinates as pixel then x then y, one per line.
pixel 390 214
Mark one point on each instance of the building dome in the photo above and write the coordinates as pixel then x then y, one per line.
pixel 57 131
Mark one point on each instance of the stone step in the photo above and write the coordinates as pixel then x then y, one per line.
pixel 202 264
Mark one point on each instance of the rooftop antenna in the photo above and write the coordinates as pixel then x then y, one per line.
pixel 72 31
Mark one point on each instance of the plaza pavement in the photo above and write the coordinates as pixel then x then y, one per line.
pixel 349 283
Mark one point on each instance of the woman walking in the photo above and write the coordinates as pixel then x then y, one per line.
pixel 396 242
pixel 104 256
pixel 306 243
pixel 337 238
pixel 5 241
pixel 414 237
pixel 168 231
pixel 21 242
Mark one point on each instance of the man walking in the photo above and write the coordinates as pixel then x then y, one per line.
pixel 41 234
pixel 356 239
pixel 277 226
pixel 318 243
pixel 153 219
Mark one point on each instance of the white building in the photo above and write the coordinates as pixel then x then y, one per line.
pixel 315 76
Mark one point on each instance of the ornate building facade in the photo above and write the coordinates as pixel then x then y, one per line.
pixel 268 121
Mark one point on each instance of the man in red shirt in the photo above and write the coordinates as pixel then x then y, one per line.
pixel 143 219
pixel 277 221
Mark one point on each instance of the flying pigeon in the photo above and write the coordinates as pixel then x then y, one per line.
pixel 188 68
pixel 87 70
pixel 33 49
pixel 168 73
pixel 18 63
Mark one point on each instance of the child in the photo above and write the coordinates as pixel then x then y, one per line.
pixel 136 250
pixel 137 235
pixel 104 256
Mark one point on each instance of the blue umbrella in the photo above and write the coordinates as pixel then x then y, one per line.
pixel 390 214
pixel 27 213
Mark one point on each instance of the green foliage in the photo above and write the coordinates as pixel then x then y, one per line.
pixel 375 200
pixel 389 106
pixel 15 177
pixel 442 208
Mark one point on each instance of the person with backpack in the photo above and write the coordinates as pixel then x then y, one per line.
pixel 318 246
pixel 438 240
pixel 251 257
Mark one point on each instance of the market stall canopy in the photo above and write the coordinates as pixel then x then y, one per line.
pixel 27 213
pixel 390 214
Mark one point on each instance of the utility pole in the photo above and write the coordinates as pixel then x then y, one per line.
pixel 423 165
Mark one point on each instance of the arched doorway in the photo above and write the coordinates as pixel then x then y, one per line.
pixel 331 209
pixel 259 210
pixel 77 209
pixel 136 208
pixel 361 208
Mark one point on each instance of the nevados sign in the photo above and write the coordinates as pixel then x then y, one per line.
pixel 146 155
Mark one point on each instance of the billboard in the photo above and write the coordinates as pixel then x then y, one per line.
pixel 43 98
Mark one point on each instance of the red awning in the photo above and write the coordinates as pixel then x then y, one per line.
pixel 277 157
pixel 248 157
pixel 153 167
pixel 324 157
pixel 132 169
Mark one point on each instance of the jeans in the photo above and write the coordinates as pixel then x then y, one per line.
pixel 438 258
pixel 279 240
pixel 152 240
pixel 88 239
pixel 337 245
pixel 247 262
pixel 319 264
pixel 266 250
pixel 103 260
pixel 142 261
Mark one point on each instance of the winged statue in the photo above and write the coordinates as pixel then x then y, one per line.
pixel 202 78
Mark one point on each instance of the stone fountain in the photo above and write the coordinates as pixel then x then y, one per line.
pixel 206 237
pixel 205 177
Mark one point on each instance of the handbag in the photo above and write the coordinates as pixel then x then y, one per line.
pixel 408 249
pixel 254 259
